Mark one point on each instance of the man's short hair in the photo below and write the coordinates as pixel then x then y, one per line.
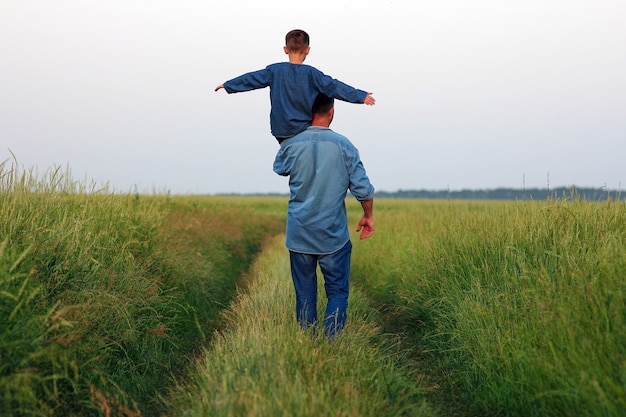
pixel 323 104
pixel 297 40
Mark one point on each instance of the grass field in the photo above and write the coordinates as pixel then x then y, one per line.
pixel 160 305
pixel 514 308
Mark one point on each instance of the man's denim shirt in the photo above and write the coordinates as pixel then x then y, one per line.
pixel 322 166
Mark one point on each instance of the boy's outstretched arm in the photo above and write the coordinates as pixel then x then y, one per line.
pixel 222 86
pixel 369 99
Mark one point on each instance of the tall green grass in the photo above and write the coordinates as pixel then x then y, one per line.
pixel 508 308
pixel 263 364
pixel 105 297
pixel 519 306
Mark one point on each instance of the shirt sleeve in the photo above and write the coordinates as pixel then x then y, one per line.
pixel 360 186
pixel 337 89
pixel 249 81
pixel 280 164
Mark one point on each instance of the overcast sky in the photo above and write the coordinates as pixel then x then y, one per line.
pixel 470 94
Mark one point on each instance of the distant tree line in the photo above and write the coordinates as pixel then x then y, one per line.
pixel 567 193
pixel 571 193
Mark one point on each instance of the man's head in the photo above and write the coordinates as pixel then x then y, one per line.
pixel 297 40
pixel 323 110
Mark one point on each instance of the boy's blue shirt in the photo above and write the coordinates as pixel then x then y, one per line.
pixel 293 89
pixel 322 165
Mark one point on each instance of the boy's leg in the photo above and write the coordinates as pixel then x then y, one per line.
pixel 303 273
pixel 336 270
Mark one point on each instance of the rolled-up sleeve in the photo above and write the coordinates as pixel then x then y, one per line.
pixel 360 186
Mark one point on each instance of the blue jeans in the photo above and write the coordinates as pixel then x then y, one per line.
pixel 335 268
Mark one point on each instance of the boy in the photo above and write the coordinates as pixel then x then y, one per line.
pixel 294 87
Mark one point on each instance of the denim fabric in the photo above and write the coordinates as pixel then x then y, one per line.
pixel 335 268
pixel 293 88
pixel 322 165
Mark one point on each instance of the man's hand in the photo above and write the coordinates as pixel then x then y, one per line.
pixel 219 87
pixel 369 99
pixel 366 227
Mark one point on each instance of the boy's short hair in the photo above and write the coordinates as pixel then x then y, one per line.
pixel 322 104
pixel 297 40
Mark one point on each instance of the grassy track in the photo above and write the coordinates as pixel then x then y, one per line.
pixel 262 364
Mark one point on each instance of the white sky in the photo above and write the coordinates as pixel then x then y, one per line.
pixel 470 94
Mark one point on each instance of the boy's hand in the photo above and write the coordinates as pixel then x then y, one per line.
pixel 219 87
pixel 369 99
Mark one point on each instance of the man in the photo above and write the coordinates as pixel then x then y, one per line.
pixel 322 166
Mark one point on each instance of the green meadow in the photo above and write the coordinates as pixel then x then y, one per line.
pixel 158 305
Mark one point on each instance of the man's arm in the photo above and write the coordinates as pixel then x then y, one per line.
pixel 366 224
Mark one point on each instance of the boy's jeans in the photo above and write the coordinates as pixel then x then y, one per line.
pixel 336 270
